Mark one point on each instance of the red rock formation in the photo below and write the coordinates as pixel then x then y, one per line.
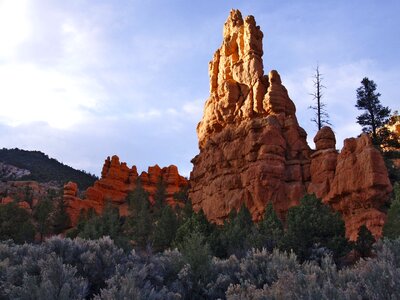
pixel 253 151
pixel 25 193
pixel 74 204
pixel 323 162
pixel 252 148
pixel 117 180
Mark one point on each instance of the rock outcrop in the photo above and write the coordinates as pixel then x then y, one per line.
pixel 354 182
pixel 10 172
pixel 252 148
pixel 116 181
pixel 253 151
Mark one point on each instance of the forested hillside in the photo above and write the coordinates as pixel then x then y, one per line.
pixel 43 168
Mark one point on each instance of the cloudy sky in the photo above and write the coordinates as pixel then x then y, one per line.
pixel 81 80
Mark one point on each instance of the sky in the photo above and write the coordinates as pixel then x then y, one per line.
pixel 83 80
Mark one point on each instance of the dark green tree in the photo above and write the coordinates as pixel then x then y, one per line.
pixel 138 225
pixel 313 224
pixel 196 252
pixel 364 242
pixel 60 219
pixel 375 115
pixel 15 224
pixel 83 218
pixel 196 223
pixel 106 224
pixel 165 229
pixel 160 199
pixel 42 216
pixel 238 234
pixel 391 229
pixel 270 228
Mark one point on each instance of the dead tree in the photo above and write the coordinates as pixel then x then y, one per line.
pixel 321 116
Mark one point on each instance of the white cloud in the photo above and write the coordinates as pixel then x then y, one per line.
pixel 14 26
pixel 33 94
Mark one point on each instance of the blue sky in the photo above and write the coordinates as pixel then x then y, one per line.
pixel 81 80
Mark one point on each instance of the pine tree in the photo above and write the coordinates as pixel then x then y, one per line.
pixel 364 242
pixel 196 252
pixel 101 225
pixel 42 216
pixel 313 224
pixel 160 199
pixel 391 229
pixel 237 235
pixel 165 229
pixel 60 219
pixel 375 115
pixel 270 228
pixel 15 224
pixel 138 224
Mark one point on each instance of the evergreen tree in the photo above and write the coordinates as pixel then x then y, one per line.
pixel 160 199
pixel 60 219
pixel 196 252
pixel 313 224
pixel 15 224
pixel 165 229
pixel 138 224
pixel 107 224
pixel 84 217
pixel 196 223
pixel 238 233
pixel 391 229
pixel 42 217
pixel 187 210
pixel 375 115
pixel 364 242
pixel 270 228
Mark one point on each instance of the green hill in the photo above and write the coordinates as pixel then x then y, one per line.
pixel 44 169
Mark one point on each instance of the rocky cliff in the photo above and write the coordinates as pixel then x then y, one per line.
pixel 354 182
pixel 116 181
pixel 252 148
pixel 253 151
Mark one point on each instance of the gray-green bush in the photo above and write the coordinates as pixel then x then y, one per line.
pixel 76 269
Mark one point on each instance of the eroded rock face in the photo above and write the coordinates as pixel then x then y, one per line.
pixel 323 162
pixel 74 204
pixel 252 149
pixel 354 182
pixel 360 187
pixel 116 181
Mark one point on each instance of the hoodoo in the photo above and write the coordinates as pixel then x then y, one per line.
pixel 253 151
pixel 116 181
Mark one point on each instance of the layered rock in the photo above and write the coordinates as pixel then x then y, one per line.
pixel 116 181
pixel 252 149
pixel 360 185
pixel 323 162
pixel 74 204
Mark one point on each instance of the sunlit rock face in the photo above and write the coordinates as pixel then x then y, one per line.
pixel 253 151
pixel 116 181
pixel 354 182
